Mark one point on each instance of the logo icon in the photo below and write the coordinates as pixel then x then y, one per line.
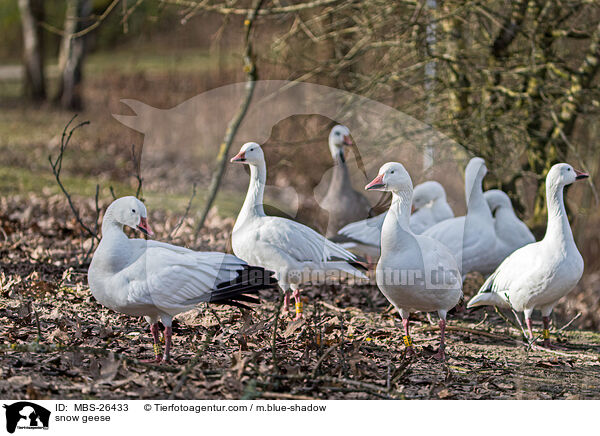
pixel 26 415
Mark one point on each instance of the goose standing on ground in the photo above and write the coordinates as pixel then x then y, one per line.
pixel 158 280
pixel 282 245
pixel 342 202
pixel 511 232
pixel 414 272
pixel 429 208
pixel 470 238
pixel 537 275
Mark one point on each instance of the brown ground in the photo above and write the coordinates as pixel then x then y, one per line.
pixel 57 342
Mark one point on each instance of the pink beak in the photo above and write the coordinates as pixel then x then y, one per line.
pixel 144 227
pixel 581 175
pixel 240 157
pixel 377 183
pixel 347 140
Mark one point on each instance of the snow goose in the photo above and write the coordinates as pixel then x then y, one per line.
pixel 289 248
pixel 429 207
pixel 158 280
pixel 414 272
pixel 511 232
pixel 342 202
pixel 471 238
pixel 537 275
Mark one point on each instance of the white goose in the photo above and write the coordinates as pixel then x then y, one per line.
pixel 511 232
pixel 537 275
pixel 158 280
pixel 289 248
pixel 470 238
pixel 414 272
pixel 429 207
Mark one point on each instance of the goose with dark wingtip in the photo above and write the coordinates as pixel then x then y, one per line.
pixel 158 280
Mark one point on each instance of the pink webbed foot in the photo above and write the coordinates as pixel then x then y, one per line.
pixel 441 354
pixel 410 352
pixel 157 360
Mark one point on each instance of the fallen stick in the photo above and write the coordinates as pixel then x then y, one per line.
pixel 468 330
pixel 570 322
pixel 284 396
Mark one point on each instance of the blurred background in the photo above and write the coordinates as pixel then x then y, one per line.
pixel 515 82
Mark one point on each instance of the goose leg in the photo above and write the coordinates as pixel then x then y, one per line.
pixel 155 337
pixel 410 351
pixel 441 354
pixel 299 309
pixel 529 327
pixel 168 339
pixel 546 333
pixel 286 301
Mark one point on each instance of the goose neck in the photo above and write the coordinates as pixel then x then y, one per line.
pixel 111 227
pixel 558 223
pixel 396 224
pixel 253 204
pixel 340 177
pixel 474 196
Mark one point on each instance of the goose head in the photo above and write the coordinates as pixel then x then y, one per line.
pixel 427 192
pixel 338 138
pixel 250 154
pixel 563 174
pixel 391 177
pixel 497 199
pixel 131 212
pixel 474 174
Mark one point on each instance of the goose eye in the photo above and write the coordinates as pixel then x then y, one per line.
pixel 133 210
pixel 568 169
pixel 392 172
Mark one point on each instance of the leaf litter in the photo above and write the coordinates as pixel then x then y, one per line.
pixel 56 341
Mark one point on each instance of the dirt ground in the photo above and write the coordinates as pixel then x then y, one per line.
pixel 57 342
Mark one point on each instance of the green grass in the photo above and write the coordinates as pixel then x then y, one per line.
pixel 19 181
pixel 29 133
pixel 149 61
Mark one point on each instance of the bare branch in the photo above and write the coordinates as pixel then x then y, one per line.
pixel 56 170
pixel 185 214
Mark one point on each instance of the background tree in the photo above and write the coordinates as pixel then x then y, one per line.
pixel 32 13
pixel 72 54
pixel 514 83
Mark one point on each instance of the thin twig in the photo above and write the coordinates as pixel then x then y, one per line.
pixel 185 214
pixel 137 173
pixel 324 356
pixel 274 333
pixel 52 29
pixel 576 317
pixel 56 170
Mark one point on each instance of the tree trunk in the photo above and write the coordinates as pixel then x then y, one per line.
pixel 32 12
pixel 72 53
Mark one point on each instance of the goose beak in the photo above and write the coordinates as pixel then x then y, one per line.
pixel 240 157
pixel 144 227
pixel 412 209
pixel 347 140
pixel 376 184
pixel 581 175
